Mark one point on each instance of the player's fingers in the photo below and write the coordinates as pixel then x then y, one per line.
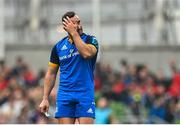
pixel 44 109
pixel 65 24
pixel 66 20
pixel 64 28
pixel 40 108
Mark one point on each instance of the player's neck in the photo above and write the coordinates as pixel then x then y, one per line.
pixel 70 39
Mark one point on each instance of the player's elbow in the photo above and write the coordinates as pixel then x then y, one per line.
pixel 86 55
pixel 50 76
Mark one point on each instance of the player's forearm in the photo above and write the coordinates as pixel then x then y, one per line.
pixel 48 86
pixel 82 47
pixel 49 82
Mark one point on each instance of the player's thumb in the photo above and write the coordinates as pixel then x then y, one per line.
pixel 43 108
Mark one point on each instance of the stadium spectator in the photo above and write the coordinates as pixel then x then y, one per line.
pixel 103 112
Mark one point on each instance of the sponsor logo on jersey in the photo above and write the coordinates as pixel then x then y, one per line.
pixel 64 47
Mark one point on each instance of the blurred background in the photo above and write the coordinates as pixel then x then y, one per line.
pixel 137 78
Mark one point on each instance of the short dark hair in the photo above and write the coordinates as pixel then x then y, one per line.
pixel 69 14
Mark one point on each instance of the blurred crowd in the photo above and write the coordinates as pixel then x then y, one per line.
pixel 146 96
pixel 130 94
pixel 21 93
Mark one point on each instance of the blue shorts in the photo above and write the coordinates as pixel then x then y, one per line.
pixel 73 106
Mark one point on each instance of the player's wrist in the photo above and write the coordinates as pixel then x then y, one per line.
pixel 45 98
pixel 74 33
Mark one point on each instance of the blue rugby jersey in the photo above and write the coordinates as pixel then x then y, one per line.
pixel 76 73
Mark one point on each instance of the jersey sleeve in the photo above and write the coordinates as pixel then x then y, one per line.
pixel 93 41
pixel 54 59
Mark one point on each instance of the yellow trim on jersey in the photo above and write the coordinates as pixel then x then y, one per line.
pixel 53 64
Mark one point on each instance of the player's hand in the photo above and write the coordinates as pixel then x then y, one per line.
pixel 44 106
pixel 69 26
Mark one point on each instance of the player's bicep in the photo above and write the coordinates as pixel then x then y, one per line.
pixel 52 70
pixel 51 73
